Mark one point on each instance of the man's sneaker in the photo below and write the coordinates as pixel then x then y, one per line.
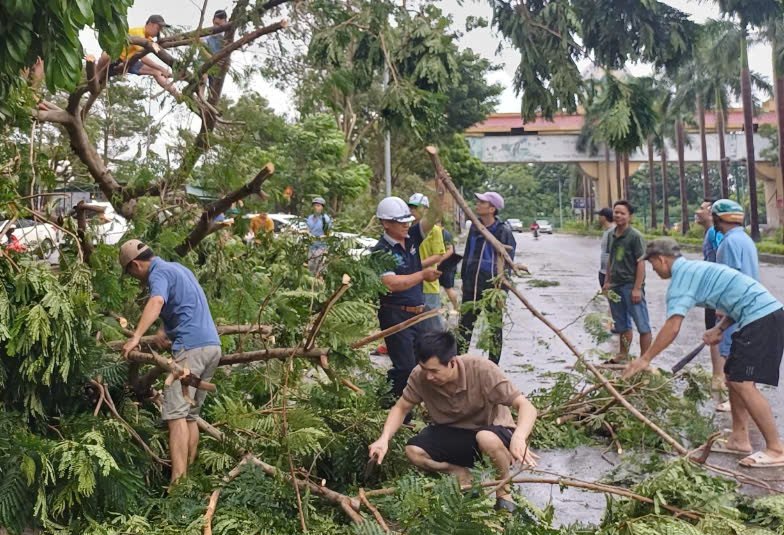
pixel 502 504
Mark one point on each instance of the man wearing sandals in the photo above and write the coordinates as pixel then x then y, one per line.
pixel 468 400
pixel 756 349
pixel 626 278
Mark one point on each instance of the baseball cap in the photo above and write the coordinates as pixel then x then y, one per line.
pixel 605 212
pixel 319 200
pixel 157 19
pixel 220 14
pixel 130 251
pixel 419 199
pixel 492 197
pixel 728 210
pixel 662 246
pixel 394 209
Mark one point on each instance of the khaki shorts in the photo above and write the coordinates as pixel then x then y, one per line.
pixel 202 362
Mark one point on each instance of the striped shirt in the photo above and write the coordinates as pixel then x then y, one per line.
pixel 705 284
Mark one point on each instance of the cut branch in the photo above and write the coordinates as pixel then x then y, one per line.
pixel 349 505
pixel 324 311
pixel 213 503
pixel 170 366
pixel 403 325
pixel 202 228
pixel 106 397
pixel 446 180
pixel 223 330
pixel 279 353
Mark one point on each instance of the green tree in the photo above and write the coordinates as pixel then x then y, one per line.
pixel 554 36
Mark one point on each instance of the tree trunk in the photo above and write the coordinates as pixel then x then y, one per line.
pixel 706 192
pixel 626 176
pixel 652 180
pixel 682 177
pixel 724 168
pixel 607 164
pixel 748 128
pixel 618 175
pixel 665 189
pixel 778 74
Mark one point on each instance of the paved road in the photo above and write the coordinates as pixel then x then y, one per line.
pixel 531 349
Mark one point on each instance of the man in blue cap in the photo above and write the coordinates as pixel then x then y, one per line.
pixel 480 266
pixel 405 298
pixel 756 348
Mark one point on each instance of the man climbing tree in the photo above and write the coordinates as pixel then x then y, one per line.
pixel 145 66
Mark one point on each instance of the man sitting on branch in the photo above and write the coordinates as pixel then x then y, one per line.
pixel 146 65
pixel 468 400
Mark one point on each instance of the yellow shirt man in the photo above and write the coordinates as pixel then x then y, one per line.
pixel 130 50
pixel 433 244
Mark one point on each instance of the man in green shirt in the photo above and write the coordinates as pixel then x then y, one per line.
pixel 626 278
pixel 432 252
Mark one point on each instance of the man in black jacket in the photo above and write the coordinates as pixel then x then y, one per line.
pixel 480 266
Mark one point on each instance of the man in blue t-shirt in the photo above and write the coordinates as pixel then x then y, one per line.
pixel 177 298
pixel 757 346
pixel 736 250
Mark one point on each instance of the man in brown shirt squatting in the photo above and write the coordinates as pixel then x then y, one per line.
pixel 468 400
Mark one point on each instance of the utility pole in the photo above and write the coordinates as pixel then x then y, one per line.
pixel 387 144
pixel 560 205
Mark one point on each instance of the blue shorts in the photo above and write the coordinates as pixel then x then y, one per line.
pixel 624 311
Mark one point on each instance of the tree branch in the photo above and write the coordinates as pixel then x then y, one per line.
pixel 278 353
pixel 396 328
pixel 239 43
pixel 177 371
pixel 325 310
pixel 202 228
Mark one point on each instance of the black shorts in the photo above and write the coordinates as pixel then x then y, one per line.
pixel 710 318
pixel 447 279
pixel 755 354
pixel 454 445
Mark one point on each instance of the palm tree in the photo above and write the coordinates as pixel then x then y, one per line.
pixel 774 32
pixel 622 115
pixel 751 14
pixel 652 182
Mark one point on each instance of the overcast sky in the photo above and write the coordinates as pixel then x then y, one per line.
pixel 483 41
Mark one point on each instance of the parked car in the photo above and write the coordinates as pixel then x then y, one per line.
pixel 108 227
pixel 515 224
pixel 360 245
pixel 40 239
pixel 544 226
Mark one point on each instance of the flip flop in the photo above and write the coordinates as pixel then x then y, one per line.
pixel 760 459
pixel 718 448
pixel 724 407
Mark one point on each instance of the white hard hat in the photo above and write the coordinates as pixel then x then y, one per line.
pixel 419 199
pixel 394 209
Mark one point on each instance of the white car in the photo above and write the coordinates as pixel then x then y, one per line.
pixel 360 245
pixel 515 224
pixel 108 227
pixel 544 226
pixel 40 239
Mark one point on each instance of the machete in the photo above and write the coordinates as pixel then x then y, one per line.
pixel 688 358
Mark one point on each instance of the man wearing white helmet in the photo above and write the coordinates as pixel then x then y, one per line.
pixel 319 225
pixel 405 299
